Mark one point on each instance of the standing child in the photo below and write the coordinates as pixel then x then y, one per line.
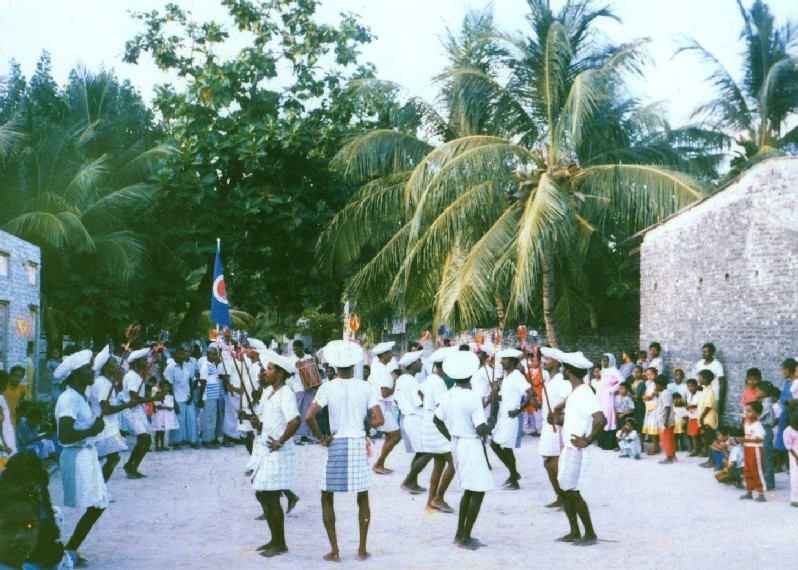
pixel 637 392
pixel 651 422
pixel 165 417
pixel 678 386
pixel 753 441
pixel 764 395
pixel 665 418
pixel 791 443
pixel 628 440
pixel 624 406
pixel 680 422
pixel 693 427
pixel 707 412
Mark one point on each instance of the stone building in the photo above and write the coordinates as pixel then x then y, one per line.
pixel 19 299
pixel 725 270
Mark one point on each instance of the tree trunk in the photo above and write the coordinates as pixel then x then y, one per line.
pixel 593 316
pixel 548 301
pixel 500 314
pixel 201 301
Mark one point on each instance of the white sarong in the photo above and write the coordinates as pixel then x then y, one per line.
pixel 471 465
pixel 411 433
pixel 82 478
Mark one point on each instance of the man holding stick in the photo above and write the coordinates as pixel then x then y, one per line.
pixel 346 468
pixel 583 421
pixel 555 391
pixel 135 416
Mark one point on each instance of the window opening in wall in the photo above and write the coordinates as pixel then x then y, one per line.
pixel 3 332
pixel 33 272
pixel 3 264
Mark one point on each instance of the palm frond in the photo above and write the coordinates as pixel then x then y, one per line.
pixel 381 152
pixel 61 230
pixel 118 255
pixel 82 189
pixel 12 140
pixel 142 164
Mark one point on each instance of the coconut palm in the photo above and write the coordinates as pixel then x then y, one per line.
pixel 754 113
pixel 550 165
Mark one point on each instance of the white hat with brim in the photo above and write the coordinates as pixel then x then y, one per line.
pixel 138 354
pixel 101 358
pixel 442 353
pixel 409 358
pixel 218 345
pixel 577 360
pixel 461 366
pixel 257 344
pixel 383 347
pixel 510 353
pixel 553 353
pixel 267 356
pixel 72 363
pixel 343 353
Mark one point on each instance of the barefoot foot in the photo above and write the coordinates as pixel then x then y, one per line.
pixel 331 557
pixel 363 555
pixel 570 537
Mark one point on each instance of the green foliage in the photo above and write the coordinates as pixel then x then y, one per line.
pixel 253 134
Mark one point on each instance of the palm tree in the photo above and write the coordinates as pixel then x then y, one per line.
pixel 550 164
pixel 753 112
pixel 77 186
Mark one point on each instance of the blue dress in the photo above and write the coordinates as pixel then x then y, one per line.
pixel 778 444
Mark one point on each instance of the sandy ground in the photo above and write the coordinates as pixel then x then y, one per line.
pixel 196 510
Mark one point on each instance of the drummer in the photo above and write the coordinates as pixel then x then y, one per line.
pixel 305 385
pixel 409 402
pixel 461 419
pixel 81 476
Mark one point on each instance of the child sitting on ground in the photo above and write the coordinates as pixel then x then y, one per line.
pixel 628 440
pixel 753 442
pixel 732 471
pixel 31 434
pixel 680 422
pixel 624 406
pixel 719 450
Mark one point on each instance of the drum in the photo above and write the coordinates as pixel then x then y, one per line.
pixel 308 373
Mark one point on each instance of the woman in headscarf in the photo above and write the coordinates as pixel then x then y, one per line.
pixel 605 392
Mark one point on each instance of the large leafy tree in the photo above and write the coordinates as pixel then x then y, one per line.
pixel 546 165
pixel 253 134
pixel 74 180
pixel 753 114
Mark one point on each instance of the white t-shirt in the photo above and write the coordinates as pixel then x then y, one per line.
pixel 717 369
pixel 72 405
pixel 513 387
pixel 406 395
pixel 480 382
pixel 434 389
pixel 277 409
pixel 180 377
pixel 461 411
pixel 656 363
pixel 131 383
pixel 754 430
pixel 209 373
pixel 380 378
pixel 98 392
pixel 348 401
pixel 558 389
pixel 579 410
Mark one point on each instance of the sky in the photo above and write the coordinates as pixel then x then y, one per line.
pixel 407 48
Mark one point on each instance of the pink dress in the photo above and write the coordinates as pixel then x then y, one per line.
pixel 165 420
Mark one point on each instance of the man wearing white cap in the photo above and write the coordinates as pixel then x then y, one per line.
pixel 583 421
pixel 135 415
pixel 409 402
pixel 346 468
pixel 461 419
pixel 105 403
pixel 275 472
pixel 433 390
pixel 81 476
pixel 509 425
pixel 550 444
pixel 382 382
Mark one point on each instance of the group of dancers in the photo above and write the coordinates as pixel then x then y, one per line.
pixel 446 415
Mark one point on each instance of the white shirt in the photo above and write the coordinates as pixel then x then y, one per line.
pixel 72 405
pixel 558 389
pixel 131 383
pixel 209 373
pixel 180 376
pixel 406 395
pixel 717 369
pixel 480 382
pixel 579 410
pixel 380 378
pixel 513 387
pixel 295 382
pixel 681 389
pixel 656 363
pixel 461 411
pixel 97 393
pixel 277 409
pixel 434 389
pixel 348 402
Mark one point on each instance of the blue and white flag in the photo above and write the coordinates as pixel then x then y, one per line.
pixel 220 313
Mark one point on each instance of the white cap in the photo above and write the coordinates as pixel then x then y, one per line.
pixel 257 344
pixel 576 359
pixel 72 363
pixel 343 353
pixel 136 354
pixel 101 358
pixel 383 347
pixel 267 356
pixel 461 365
pixel 443 352
pixel 553 353
pixel 218 345
pixel 409 358
pixel 510 353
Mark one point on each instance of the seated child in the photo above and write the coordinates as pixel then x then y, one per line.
pixel 31 434
pixel 732 472
pixel 719 450
pixel 628 440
